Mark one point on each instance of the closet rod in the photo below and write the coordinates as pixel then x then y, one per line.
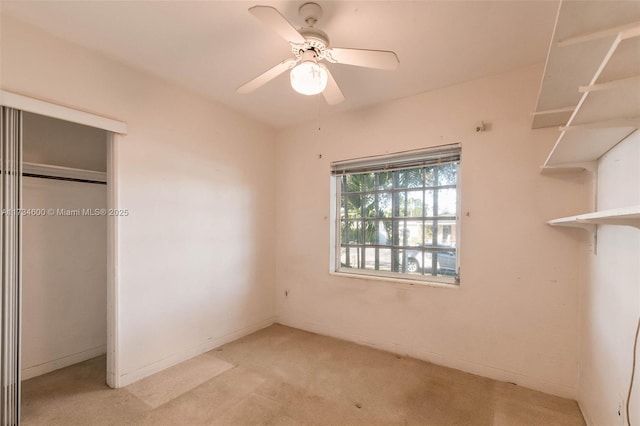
pixel 33 175
pixel 46 171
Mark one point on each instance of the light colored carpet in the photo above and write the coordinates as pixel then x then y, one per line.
pixel 284 376
pixel 168 384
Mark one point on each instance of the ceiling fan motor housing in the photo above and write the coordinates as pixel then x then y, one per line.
pixel 315 39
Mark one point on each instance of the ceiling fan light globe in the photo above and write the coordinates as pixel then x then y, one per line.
pixel 309 78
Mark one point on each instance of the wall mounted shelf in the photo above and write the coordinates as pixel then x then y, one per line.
pixel 564 168
pixel 591 91
pixel 626 216
pixel 591 83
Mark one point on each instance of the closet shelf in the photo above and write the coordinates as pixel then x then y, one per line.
pixel 626 216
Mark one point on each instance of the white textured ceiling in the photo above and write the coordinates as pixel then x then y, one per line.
pixel 213 47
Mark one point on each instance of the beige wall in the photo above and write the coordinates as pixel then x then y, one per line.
pixel 611 294
pixel 196 258
pixel 515 315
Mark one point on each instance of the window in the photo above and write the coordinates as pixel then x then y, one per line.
pixel 397 215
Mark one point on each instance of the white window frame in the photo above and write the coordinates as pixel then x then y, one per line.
pixel 398 161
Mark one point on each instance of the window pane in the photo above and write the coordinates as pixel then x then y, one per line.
pixel 346 256
pixel 384 205
pixel 428 202
pixel 419 261
pixel 343 232
pixel 384 257
pixel 352 257
pixel 447 200
pixel 366 181
pixel 358 182
pixel 371 234
pixel 414 261
pixel 428 262
pixel 447 233
pixel 429 176
pixel 354 232
pixel 411 232
pixel 343 183
pixel 353 206
pixel 448 174
pixel 411 203
pixel 428 232
pixel 447 263
pixel 370 258
pixel 369 204
pixel 384 180
pixel 411 178
pixel 385 230
pixel 401 201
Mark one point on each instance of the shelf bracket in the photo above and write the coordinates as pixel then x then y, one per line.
pixel 591 228
pixel 626 216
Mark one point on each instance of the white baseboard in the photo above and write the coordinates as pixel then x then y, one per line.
pixel 56 364
pixel 439 359
pixel 177 358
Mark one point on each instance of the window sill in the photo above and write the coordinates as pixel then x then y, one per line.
pixel 393 281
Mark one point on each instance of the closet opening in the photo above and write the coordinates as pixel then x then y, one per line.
pixel 64 247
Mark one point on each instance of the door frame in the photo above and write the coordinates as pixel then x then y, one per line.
pixel 116 130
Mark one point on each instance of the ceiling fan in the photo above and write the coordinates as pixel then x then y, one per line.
pixel 310 46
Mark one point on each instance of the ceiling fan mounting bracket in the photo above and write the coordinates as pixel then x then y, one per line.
pixel 310 12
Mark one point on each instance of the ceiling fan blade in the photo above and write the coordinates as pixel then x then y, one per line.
pixel 267 76
pixel 332 93
pixel 274 20
pixel 380 59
